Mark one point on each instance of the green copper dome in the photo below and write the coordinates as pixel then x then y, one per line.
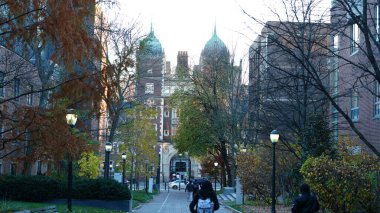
pixel 151 45
pixel 215 48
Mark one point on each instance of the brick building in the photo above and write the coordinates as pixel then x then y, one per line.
pixel 355 74
pixel 19 83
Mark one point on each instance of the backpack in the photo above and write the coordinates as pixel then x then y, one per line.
pixel 205 206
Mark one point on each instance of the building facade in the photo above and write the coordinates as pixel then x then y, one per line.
pixel 19 83
pixel 281 94
pixel 155 83
pixel 355 74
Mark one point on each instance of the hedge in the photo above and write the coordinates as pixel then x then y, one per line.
pixel 43 188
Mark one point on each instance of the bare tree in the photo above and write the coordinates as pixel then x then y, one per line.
pixel 118 75
pixel 310 34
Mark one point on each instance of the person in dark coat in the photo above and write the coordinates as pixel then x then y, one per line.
pixel 306 203
pixel 189 189
pixel 206 191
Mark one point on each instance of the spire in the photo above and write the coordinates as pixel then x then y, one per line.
pixel 151 26
pixel 215 27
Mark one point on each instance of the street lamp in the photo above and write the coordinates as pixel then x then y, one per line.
pixel 244 149
pixel 180 176
pixel 124 157
pixel 146 176
pixel 71 120
pixel 216 169
pixel 274 136
pixel 108 148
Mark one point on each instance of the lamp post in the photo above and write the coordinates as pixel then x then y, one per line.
pixel 124 157
pixel 216 169
pixel 180 176
pixel 146 176
pixel 71 120
pixel 108 148
pixel 133 152
pixel 274 136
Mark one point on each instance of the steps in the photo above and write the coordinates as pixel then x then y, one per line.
pixel 227 197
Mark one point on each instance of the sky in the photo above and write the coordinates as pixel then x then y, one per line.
pixel 186 25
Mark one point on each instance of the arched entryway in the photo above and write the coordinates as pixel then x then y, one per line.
pixel 180 167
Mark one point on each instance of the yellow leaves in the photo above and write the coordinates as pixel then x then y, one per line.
pixel 89 165
pixel 343 182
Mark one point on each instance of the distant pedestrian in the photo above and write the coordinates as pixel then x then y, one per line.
pixel 195 188
pixel 306 203
pixel 205 199
pixel 189 189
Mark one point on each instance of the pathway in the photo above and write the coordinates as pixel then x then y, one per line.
pixel 173 201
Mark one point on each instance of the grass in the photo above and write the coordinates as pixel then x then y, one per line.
pixel 142 197
pixel 7 206
pixel 233 205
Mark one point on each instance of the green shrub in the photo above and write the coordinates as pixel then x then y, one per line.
pixel 100 189
pixel 43 188
pixel 345 183
pixel 29 188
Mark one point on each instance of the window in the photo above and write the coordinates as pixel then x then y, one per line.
pixel 174 129
pixel 38 167
pixel 1 129
pixel 354 38
pixel 28 136
pixel 166 90
pixel 334 82
pixel 174 113
pixel 166 132
pixel 336 42
pixel 166 114
pixel 354 105
pixel 377 100
pixel 29 96
pixel 335 120
pixel 13 169
pixel 377 22
pixel 335 67
pixel 149 88
pixel 16 88
pixel 2 76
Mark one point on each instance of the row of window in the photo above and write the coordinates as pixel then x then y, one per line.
pixel 174 113
pixel 354 100
pixel 16 89
pixel 355 31
pixel 173 130
pixel 13 168
pixel 355 103
pixel 167 90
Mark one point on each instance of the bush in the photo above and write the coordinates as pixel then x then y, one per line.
pixel 29 188
pixel 100 189
pixel 43 188
pixel 345 183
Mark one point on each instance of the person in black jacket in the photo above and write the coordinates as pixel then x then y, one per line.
pixel 189 189
pixel 306 203
pixel 206 191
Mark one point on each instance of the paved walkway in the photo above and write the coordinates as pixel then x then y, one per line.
pixel 173 201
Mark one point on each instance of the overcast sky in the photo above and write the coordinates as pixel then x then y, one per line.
pixel 186 25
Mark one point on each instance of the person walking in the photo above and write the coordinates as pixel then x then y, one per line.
pixel 307 202
pixel 205 200
pixel 189 189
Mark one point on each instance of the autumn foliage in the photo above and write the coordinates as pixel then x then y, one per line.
pixel 65 24
pixel 255 171
pixel 345 183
